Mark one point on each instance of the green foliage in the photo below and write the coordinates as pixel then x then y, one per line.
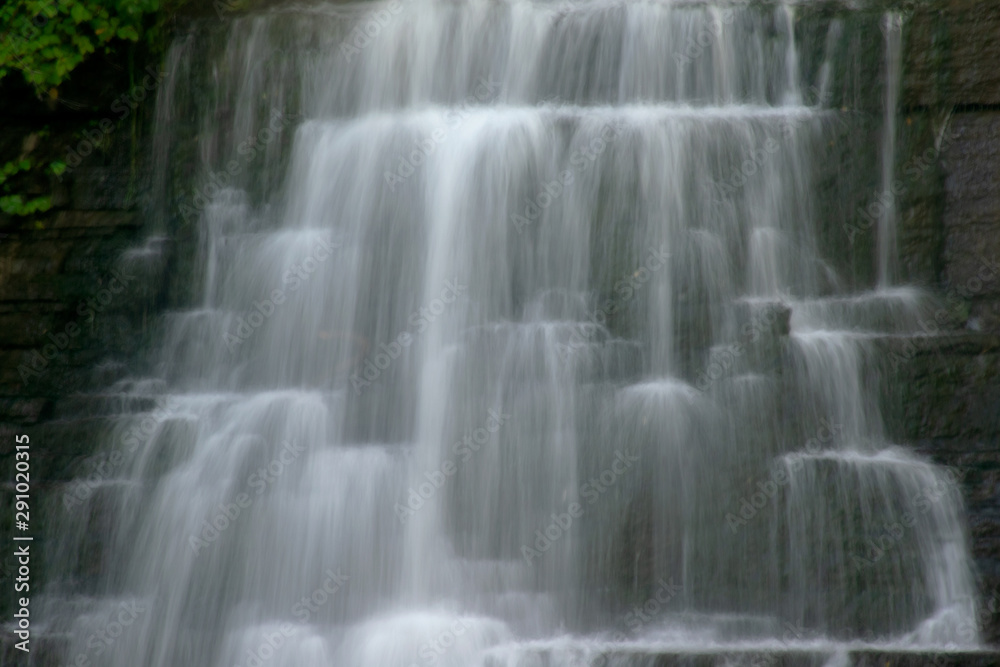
pixel 46 39
pixel 20 204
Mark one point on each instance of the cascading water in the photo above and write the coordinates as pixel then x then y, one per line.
pixel 511 328
pixel 893 28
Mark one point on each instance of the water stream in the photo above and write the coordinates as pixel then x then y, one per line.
pixel 510 329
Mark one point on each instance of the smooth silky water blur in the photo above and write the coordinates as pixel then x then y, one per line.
pixel 492 347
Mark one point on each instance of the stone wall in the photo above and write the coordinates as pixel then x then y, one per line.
pixel 945 391
pixel 80 284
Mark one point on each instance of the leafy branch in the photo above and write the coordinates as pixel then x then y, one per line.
pixel 45 40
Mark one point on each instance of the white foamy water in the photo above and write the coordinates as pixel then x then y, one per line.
pixel 511 330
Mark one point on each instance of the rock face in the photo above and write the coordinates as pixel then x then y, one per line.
pixel 80 285
pixel 79 288
pixel 953 52
pixel 971 214
pixel 946 393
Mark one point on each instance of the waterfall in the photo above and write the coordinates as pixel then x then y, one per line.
pixel 503 328
pixel 892 26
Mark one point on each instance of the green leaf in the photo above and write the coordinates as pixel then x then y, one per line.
pixel 80 13
pixel 128 32
pixel 45 54
pixel 10 204
pixel 83 44
pixel 40 204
